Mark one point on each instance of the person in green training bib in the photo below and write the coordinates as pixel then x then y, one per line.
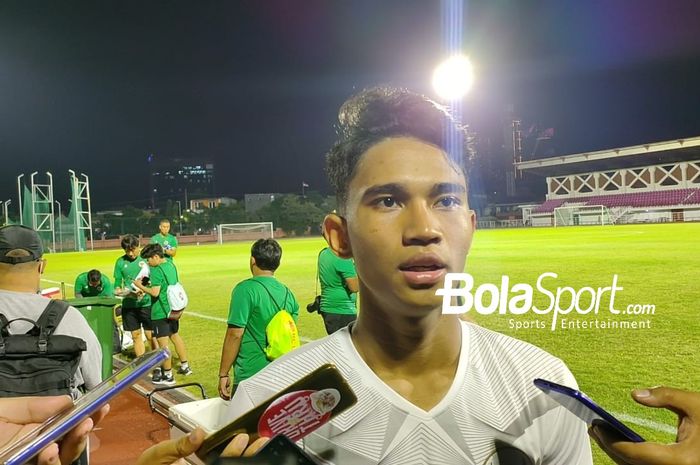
pixel 339 286
pixel 254 302
pixel 165 239
pixel 93 284
pixel 163 274
pixel 136 306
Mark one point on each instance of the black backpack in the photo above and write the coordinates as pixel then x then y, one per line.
pixel 38 363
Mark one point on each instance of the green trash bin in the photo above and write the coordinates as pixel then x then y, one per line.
pixel 99 313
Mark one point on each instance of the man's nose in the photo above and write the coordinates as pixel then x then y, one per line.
pixel 420 225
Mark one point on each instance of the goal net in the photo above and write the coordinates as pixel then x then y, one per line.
pixel 244 231
pixel 581 215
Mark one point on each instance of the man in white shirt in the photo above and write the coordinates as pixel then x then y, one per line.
pixel 431 389
pixel 21 267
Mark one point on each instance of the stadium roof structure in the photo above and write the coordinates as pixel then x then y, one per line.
pixel 655 153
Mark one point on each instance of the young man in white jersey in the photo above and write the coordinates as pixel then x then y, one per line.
pixel 431 389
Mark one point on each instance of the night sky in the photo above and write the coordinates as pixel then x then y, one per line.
pixel 255 85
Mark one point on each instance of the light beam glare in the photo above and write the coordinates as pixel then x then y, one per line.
pixel 453 78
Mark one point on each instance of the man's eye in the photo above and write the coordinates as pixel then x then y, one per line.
pixel 449 202
pixel 388 202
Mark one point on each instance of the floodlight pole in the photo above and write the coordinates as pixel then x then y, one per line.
pixel 7 210
pixel 33 219
pixel 52 223
pixel 179 213
pixel 19 196
pixel 89 209
pixel 74 194
pixel 60 233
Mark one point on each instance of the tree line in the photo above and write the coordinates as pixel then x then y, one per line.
pixel 294 214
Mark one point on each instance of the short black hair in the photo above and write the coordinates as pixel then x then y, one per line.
pixel 376 114
pixel 151 250
pixel 129 242
pixel 94 276
pixel 267 254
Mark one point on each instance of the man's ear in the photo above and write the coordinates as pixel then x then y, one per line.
pixel 336 232
pixel 472 219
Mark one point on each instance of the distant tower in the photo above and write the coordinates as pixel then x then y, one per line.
pixel 42 219
pixel 180 179
pixel 80 191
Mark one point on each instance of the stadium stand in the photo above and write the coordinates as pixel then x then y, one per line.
pixel 675 197
pixel 647 183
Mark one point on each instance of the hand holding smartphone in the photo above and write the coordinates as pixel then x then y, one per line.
pixel 583 407
pixel 28 446
pixel 294 412
pixel 278 450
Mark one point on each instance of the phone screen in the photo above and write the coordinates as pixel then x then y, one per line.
pixel 55 427
pixel 294 412
pixel 583 407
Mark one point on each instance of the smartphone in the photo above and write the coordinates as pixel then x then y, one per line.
pixel 54 428
pixel 294 412
pixel 583 407
pixel 278 450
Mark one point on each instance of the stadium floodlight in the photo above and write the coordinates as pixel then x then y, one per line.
pixel 453 78
pixel 244 231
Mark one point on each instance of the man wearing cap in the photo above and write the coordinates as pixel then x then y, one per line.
pixel 93 284
pixel 21 267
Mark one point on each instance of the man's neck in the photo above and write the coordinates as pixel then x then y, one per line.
pixel 19 284
pixel 258 272
pixel 407 345
pixel 417 357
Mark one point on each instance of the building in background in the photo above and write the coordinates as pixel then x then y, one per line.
pixel 198 205
pixel 254 202
pixel 180 179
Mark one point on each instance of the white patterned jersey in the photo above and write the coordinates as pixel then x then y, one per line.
pixel 491 404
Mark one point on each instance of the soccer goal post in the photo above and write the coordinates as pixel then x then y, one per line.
pixel 582 215
pixel 244 231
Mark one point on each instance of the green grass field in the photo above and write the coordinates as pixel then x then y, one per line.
pixel 655 264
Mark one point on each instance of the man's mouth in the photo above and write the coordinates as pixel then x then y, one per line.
pixel 423 270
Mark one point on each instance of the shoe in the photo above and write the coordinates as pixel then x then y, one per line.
pixel 184 371
pixel 166 380
pixel 156 376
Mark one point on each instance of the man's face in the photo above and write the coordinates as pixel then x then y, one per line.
pixel 408 223
pixel 94 284
pixel 132 253
pixel 153 261
pixel 164 228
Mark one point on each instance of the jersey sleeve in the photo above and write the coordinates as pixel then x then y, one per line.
pixel 242 304
pixel 293 307
pixel 346 269
pixel 568 439
pixel 79 284
pixel 107 288
pixel 157 277
pixel 118 275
